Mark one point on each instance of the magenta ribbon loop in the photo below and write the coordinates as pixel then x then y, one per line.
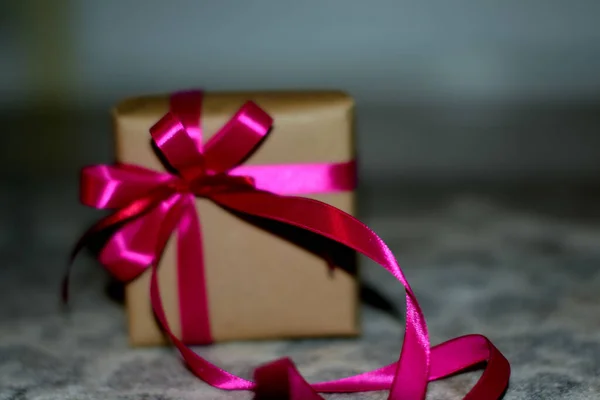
pixel 178 146
pixel 237 139
pixel 150 206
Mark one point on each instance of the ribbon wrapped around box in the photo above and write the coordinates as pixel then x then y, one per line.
pixel 223 278
pixel 228 185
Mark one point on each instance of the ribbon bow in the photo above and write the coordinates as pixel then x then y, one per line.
pixel 151 205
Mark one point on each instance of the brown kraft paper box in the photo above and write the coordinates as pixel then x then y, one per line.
pixel 259 285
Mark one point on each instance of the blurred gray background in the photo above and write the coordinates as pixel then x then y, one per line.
pixel 445 90
pixel 479 156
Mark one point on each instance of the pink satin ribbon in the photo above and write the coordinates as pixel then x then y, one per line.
pixel 150 206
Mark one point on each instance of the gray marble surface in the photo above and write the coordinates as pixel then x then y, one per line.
pixel 520 266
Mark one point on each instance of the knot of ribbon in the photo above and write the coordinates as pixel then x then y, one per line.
pixel 149 206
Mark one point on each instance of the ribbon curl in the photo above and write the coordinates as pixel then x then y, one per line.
pixel 150 206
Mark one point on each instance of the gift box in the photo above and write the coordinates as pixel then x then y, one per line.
pixel 231 233
pixel 259 280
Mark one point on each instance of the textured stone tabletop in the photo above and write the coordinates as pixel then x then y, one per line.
pixel 523 271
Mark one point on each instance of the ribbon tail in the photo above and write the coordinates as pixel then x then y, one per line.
pixel 412 374
pixel 446 359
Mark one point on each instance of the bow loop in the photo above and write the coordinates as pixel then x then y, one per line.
pixel 116 186
pixel 238 138
pixel 179 146
pixel 226 149
pixel 133 247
